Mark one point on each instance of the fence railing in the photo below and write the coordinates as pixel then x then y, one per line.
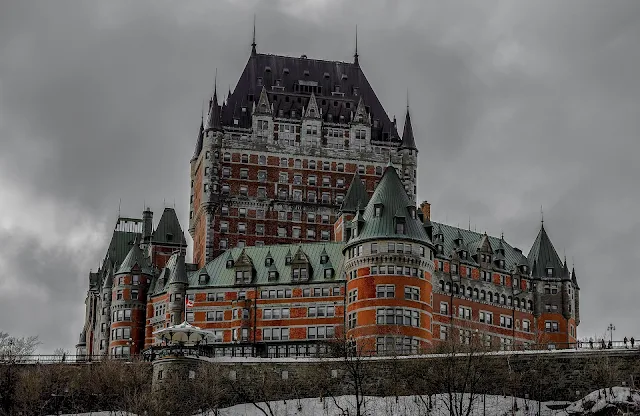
pixel 198 352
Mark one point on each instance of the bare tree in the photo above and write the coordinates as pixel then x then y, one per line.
pixel 13 350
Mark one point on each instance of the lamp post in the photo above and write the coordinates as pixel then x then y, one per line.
pixel 611 328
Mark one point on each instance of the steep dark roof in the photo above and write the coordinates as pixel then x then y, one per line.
pixel 544 255
pixel 168 230
pixel 408 142
pixel 214 115
pixel 200 141
pixel 177 269
pixel 390 194
pixel 135 257
pixel 320 76
pixel 356 196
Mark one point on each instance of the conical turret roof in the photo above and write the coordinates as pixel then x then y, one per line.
pixel 214 119
pixel 408 142
pixel 391 197
pixel 356 196
pixel 135 257
pixel 177 269
pixel 544 255
pixel 199 141
pixel 169 230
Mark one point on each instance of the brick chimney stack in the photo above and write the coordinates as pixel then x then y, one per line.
pixel 425 207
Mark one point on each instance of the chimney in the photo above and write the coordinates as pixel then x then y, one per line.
pixel 425 207
pixel 147 225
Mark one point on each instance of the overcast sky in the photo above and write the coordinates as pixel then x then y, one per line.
pixel 516 105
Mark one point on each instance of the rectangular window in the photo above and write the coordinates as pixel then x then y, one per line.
pixel 353 295
pixel 385 291
pixel 444 308
pixel 411 293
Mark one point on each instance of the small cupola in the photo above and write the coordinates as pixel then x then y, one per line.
pixel 230 261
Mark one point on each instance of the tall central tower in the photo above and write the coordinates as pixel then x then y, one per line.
pixel 273 161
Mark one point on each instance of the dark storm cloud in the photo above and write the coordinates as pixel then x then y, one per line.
pixel 515 105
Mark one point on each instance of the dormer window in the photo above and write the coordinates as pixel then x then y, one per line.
pixel 268 261
pixel 463 254
pixel 412 212
pixel 243 276
pixel 287 259
pixel 377 210
pixel 328 273
pixel 203 279
pixel 229 263
pixel 400 226
pixel 549 272
pixel 273 275
pixel 169 237
pixel 300 274
pixel 502 264
pixel 324 258
pixel 524 269
pixel 488 259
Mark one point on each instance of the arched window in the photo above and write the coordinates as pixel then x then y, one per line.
pixel 462 292
pixel 442 285
pixel 530 305
pixel 523 302
pixel 456 289
pixel 475 293
pixel 483 295
pixel 468 291
pixel 448 287
pixel 503 300
pixel 490 297
pixel 496 296
pixel 510 301
pixel 517 303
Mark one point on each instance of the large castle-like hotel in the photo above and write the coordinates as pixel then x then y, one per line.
pixel 305 229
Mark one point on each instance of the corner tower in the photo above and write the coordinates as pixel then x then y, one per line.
pixel 409 152
pixel 388 264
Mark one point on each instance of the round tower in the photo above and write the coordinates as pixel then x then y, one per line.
pixel 178 283
pixel 105 317
pixel 128 303
pixel 388 266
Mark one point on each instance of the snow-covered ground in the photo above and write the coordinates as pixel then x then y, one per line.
pixel 417 406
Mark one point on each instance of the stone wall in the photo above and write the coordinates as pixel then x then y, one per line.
pixel 557 375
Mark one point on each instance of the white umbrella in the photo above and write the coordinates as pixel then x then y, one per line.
pixel 183 333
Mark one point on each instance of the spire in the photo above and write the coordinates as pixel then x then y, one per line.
pixel 200 139
pixel 544 255
pixel 356 196
pixel 355 55
pixel 263 103
pixel 574 278
pixel 213 121
pixel 565 270
pixel 253 44
pixel 408 142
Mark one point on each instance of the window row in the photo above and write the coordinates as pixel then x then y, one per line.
pixel 133 294
pixel 491 297
pixel 121 315
pixel 390 247
pixel 321 311
pixel 320 332
pixel 275 334
pixel 296 216
pixel 399 270
pixel 397 345
pixel 298 163
pixel 121 333
pixel 121 351
pixel 397 316
pixel 276 313
pixel 124 280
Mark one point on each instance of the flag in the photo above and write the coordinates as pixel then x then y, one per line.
pixel 189 303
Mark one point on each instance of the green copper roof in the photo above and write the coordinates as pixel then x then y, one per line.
pixel 134 257
pixel 221 276
pixel 177 269
pixel 545 255
pixel 473 241
pixel 356 196
pixel 392 198
pixel 168 230
pixel 120 245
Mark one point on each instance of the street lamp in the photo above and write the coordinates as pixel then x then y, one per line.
pixel 611 328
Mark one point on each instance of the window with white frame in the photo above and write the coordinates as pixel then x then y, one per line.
pixel 506 321
pixel 353 295
pixel 275 334
pixel 411 293
pixel 444 308
pixel 385 291
pixel 486 317
pixel 276 313
pixel 320 332
pixel 352 320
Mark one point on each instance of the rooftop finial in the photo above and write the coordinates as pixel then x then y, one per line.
pixel 355 55
pixel 407 99
pixel 215 87
pixel 541 215
pixel 253 44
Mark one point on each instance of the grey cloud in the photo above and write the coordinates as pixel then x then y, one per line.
pixel 514 104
